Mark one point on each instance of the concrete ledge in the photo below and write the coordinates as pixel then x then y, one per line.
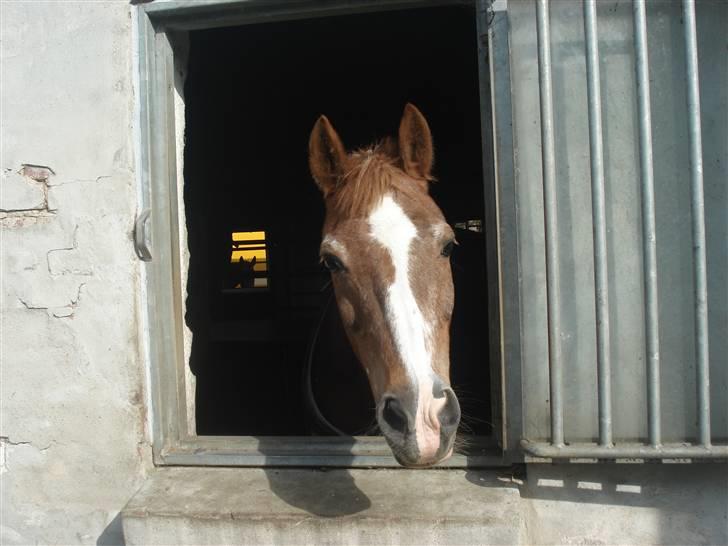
pixel 303 506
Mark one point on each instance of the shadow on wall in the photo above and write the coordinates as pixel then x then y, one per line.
pixel 113 535
pixel 627 503
pixel 323 493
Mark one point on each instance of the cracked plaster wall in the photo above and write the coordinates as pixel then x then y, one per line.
pixel 72 422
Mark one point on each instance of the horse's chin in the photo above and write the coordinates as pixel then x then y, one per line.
pixel 403 459
pixel 409 464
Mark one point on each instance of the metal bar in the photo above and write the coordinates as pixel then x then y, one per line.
pixel 649 238
pixel 698 215
pixel 483 14
pixel 141 236
pixel 159 314
pixel 625 451
pixel 599 223
pixel 509 291
pixel 550 223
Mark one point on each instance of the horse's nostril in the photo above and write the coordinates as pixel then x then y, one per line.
pixel 394 415
pixel 450 414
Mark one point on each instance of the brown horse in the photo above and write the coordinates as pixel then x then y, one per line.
pixel 387 246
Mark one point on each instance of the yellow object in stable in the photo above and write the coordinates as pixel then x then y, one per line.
pixel 248 236
pixel 248 245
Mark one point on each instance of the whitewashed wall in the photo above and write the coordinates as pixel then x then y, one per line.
pixel 73 417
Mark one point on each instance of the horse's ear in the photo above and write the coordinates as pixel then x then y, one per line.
pixel 415 143
pixel 326 155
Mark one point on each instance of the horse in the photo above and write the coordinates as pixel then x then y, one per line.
pixel 387 247
pixel 242 273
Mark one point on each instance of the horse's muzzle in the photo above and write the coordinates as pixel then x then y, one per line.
pixel 420 430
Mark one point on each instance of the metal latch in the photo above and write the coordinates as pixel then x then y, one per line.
pixel 141 236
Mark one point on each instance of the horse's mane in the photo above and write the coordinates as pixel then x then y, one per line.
pixel 371 173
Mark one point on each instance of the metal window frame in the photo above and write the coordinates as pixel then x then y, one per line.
pixel 172 443
pixel 506 307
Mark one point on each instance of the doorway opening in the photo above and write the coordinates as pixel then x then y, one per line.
pixel 256 293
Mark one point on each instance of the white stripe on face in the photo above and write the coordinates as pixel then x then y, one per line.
pixel 393 229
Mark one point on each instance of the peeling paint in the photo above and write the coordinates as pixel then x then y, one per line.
pixel 63 268
pixel 70 281
pixel 6 442
pixel 14 217
pixel 39 173
pixel 63 311
pixel 81 181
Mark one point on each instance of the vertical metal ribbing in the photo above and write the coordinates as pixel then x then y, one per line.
pixel 550 224
pixel 698 214
pixel 649 239
pixel 598 223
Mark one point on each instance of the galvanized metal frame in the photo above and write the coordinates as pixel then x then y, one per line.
pixel 698 216
pixel 553 281
pixel 506 241
pixel 172 444
pixel 649 232
pixel 605 449
pixel 599 224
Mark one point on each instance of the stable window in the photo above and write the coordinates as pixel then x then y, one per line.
pixel 250 364
pixel 593 298
pixel 249 261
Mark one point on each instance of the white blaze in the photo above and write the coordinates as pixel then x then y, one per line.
pixel 393 229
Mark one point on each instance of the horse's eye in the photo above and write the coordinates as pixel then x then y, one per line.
pixel 332 263
pixel 447 249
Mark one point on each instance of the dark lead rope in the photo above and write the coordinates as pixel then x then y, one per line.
pixel 308 367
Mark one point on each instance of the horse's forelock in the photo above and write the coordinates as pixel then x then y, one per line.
pixel 371 174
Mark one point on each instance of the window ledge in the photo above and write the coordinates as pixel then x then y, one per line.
pixel 296 506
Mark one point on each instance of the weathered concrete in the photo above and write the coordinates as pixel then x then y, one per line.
pixel 594 504
pixel 21 193
pixel 72 432
pixel 599 504
pixel 289 506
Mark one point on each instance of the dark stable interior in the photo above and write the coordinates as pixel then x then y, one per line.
pixel 252 96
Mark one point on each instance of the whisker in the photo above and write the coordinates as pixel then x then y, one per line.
pixel 472 419
pixel 462 445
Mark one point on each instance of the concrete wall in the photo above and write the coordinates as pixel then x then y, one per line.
pixel 73 418
pixel 599 504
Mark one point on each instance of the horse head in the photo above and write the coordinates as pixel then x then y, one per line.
pixel 387 246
